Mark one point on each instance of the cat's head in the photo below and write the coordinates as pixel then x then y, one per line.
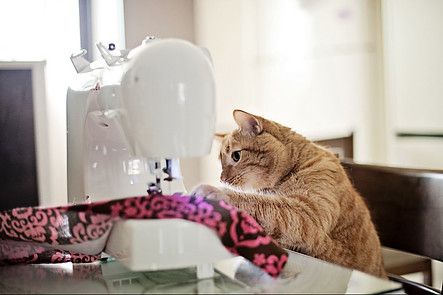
pixel 256 156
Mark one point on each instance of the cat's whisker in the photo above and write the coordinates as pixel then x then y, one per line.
pixel 235 179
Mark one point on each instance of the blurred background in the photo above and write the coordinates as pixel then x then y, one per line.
pixel 370 69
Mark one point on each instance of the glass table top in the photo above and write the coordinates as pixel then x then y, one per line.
pixel 302 274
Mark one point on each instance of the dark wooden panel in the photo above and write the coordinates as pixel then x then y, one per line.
pixel 343 147
pixel 18 175
pixel 406 205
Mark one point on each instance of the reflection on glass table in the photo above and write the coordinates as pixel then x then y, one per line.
pixel 302 274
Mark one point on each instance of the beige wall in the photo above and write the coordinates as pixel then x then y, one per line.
pixel 315 66
pixel 160 18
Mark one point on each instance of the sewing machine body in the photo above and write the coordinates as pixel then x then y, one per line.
pixel 130 117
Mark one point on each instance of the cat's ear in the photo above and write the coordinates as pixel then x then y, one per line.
pixel 219 136
pixel 247 123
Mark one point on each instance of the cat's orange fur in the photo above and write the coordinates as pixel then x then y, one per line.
pixel 298 192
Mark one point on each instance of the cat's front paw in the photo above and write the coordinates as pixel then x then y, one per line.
pixel 210 192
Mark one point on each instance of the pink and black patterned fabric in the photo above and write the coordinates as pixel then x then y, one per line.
pixel 48 234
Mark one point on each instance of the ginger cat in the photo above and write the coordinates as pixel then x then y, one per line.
pixel 298 192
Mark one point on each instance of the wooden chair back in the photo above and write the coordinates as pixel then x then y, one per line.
pixel 406 205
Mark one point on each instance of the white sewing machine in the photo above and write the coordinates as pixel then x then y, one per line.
pixel 130 117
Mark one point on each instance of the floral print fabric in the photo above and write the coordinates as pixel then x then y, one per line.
pixel 49 234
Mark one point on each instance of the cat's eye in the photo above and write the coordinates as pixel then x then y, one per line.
pixel 236 156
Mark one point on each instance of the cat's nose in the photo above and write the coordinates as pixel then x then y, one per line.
pixel 223 179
